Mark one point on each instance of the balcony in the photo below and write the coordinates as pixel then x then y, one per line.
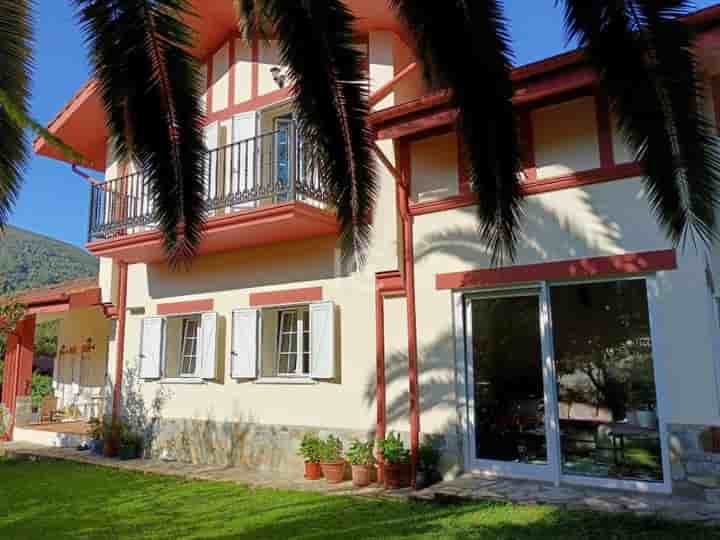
pixel 267 188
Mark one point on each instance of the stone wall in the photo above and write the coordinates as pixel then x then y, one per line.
pixel 23 411
pixel 695 460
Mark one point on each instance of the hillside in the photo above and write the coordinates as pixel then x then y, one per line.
pixel 30 260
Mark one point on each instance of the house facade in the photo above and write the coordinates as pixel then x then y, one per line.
pixel 592 358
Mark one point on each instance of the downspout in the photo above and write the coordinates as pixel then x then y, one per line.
pixel 84 176
pixel 380 396
pixel 120 343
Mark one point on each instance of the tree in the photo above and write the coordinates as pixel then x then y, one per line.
pixel 139 52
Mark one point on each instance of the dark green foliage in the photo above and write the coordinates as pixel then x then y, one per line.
pixel 465 46
pixel 310 448
pixel 29 260
pixel 393 449
pixel 150 86
pixel 331 450
pixel 41 387
pixel 647 66
pixel 16 41
pixel 361 453
pixel 46 338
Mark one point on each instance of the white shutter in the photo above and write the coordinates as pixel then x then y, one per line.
pixel 245 337
pixel 244 155
pixel 152 347
pixel 322 340
pixel 208 346
pixel 212 134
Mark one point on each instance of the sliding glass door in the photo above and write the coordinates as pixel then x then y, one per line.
pixel 561 384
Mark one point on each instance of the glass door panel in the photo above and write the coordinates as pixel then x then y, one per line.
pixel 508 400
pixel 606 386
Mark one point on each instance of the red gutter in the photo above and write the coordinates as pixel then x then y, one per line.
pixel 120 345
pixel 380 392
pixel 93 181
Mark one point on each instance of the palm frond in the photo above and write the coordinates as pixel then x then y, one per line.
pixel 140 54
pixel 16 41
pixel 331 99
pixel 646 64
pixel 464 46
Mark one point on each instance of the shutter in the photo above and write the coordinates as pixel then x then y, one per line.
pixel 244 354
pixel 322 340
pixel 245 148
pixel 152 347
pixel 208 346
pixel 211 167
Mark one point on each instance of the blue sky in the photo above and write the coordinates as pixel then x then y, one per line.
pixel 55 202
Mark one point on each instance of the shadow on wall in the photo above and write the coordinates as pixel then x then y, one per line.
pixel 280 264
pixel 143 418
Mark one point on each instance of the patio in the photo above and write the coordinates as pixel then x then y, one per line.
pixel 465 488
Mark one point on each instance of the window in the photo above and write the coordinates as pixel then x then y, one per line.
pixel 293 342
pixel 189 347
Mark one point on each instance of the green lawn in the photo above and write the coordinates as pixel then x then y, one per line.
pixel 64 500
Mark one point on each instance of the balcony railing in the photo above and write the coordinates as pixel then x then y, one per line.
pixel 269 169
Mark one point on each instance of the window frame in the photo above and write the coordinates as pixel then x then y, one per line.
pixel 197 318
pixel 299 332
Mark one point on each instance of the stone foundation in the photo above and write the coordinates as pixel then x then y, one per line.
pixel 23 411
pixel 695 460
pixel 258 447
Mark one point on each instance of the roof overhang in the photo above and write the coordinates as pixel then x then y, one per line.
pixel 63 297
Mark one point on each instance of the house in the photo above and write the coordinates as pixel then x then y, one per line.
pixel 591 359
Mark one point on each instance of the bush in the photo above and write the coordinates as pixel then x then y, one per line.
pixel 96 431
pixel 428 456
pixel 393 450
pixel 41 387
pixel 310 448
pixel 361 453
pixel 331 450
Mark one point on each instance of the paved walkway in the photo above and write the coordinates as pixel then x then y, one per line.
pixel 466 487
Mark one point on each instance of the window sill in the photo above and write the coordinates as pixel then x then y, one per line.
pixel 182 380
pixel 287 380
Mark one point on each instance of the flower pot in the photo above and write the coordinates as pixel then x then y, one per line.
pixel 109 448
pixel 128 452
pixel 396 475
pixel 362 475
pixel 312 471
pixel 334 473
pixel 96 447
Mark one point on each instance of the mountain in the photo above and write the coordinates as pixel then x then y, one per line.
pixel 30 260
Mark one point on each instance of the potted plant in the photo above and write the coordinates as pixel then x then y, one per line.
pixel 360 456
pixel 331 460
pixel 310 452
pixel 96 436
pixel 427 468
pixel 130 445
pixel 396 462
pixel 111 433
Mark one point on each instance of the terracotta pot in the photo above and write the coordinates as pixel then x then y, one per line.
pixel 110 449
pixel 396 476
pixel 334 473
pixel 362 475
pixel 312 471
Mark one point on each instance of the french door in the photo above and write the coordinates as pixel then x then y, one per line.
pixel 560 384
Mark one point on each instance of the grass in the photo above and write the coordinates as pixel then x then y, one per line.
pixel 40 500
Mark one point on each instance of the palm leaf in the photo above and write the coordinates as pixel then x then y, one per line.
pixel 330 92
pixel 16 42
pixel 645 60
pixel 139 51
pixel 464 46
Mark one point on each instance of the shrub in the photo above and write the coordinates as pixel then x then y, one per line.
pixel 393 450
pixel 428 456
pixel 331 450
pixel 310 448
pixel 96 429
pixel 361 453
pixel 41 387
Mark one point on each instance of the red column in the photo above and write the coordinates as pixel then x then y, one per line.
pixel 8 389
pixel 120 340
pixel 17 375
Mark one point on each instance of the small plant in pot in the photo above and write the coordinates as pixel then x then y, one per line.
pixel 96 436
pixel 396 462
pixel 427 469
pixel 310 452
pixel 111 435
pixel 331 460
pixel 361 458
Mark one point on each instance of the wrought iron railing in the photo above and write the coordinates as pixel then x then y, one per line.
pixel 269 169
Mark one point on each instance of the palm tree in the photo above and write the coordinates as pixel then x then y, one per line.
pixel 642 53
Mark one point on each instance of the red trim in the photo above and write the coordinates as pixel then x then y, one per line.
pixel 191 306
pixel 418 123
pixel 210 75
pixel 630 263
pixel 390 283
pixel 527 138
pixel 120 339
pixel 604 129
pixel 291 296
pixel 255 68
pixel 716 101
pixel 544 185
pixel 464 187
pixel 385 90
pixel 232 60
pixel 380 391
pixel 249 105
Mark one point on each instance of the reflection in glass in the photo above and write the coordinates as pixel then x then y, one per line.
pixel 508 380
pixel 606 386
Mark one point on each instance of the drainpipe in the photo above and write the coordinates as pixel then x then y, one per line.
pixel 380 373
pixel 120 339
pixel 84 176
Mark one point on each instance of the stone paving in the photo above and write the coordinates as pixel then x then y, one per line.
pixel 467 487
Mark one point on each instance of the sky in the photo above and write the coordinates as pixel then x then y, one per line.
pixel 55 202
